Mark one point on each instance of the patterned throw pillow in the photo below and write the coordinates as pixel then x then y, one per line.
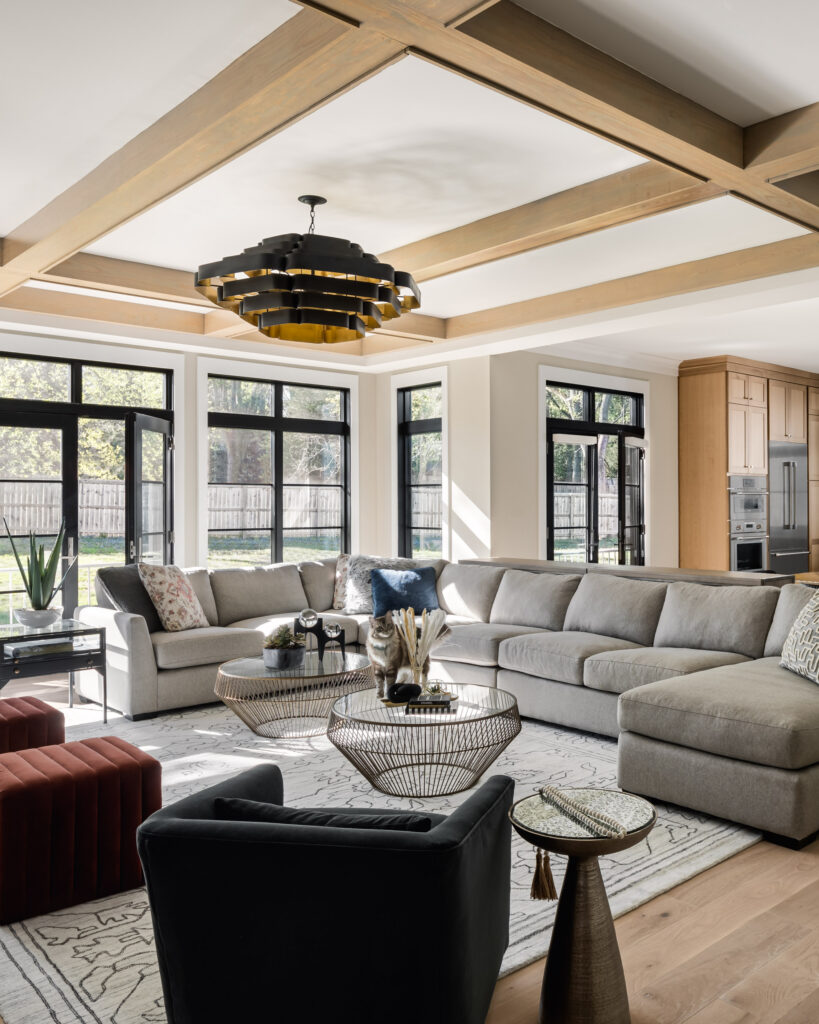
pixel 358 593
pixel 173 597
pixel 340 592
pixel 800 652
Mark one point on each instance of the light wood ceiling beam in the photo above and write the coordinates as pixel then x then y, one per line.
pixel 627 195
pixel 521 55
pixel 783 146
pixel 85 270
pixel 785 257
pixel 299 67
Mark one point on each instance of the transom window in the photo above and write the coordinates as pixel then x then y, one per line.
pixel 279 457
pixel 595 458
pixel 420 471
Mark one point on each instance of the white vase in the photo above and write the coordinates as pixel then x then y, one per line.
pixel 37 618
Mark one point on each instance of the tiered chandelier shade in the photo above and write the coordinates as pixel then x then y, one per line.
pixel 310 288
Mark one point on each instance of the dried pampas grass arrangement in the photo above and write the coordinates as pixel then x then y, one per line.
pixel 419 642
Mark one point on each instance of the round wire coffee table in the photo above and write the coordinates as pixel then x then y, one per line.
pixel 429 753
pixel 287 703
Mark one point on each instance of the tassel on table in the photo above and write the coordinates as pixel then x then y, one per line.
pixel 543 884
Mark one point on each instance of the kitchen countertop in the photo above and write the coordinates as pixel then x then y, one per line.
pixel 713 577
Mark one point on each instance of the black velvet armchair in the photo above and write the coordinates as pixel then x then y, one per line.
pixel 260 922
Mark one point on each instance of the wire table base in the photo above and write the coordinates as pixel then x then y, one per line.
pixel 430 753
pixel 291 703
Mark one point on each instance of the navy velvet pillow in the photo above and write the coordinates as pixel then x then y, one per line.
pixel 234 809
pixel 404 588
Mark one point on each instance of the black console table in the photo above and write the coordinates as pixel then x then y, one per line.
pixel 41 658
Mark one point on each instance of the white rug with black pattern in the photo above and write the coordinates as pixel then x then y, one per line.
pixel 96 962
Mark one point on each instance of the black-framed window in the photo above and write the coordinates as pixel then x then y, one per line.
pixel 595 459
pixel 278 471
pixel 420 471
pixel 68 432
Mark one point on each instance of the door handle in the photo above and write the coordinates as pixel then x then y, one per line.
pixel 793 495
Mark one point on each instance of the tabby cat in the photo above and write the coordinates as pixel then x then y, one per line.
pixel 388 654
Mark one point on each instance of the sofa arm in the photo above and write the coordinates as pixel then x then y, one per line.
pixel 131 664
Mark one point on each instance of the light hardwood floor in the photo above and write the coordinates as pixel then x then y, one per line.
pixel 737 944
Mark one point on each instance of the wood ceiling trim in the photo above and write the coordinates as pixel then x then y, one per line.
pixel 615 199
pixel 791 255
pixel 296 69
pixel 783 146
pixel 87 270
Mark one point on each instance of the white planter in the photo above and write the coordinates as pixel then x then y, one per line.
pixel 37 618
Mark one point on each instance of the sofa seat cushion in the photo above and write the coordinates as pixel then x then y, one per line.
pixel 477 643
pixel 558 656
pixel 204 646
pixel 364 626
pixel 618 671
pixel 613 606
pixel 265 624
pixel 733 619
pixel 754 711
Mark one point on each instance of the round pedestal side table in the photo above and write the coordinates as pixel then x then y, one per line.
pixel 288 703
pixel 583 982
pixel 428 753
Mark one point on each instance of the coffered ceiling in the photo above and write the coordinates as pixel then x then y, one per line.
pixel 524 175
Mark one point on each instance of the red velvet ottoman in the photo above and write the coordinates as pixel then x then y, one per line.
pixel 28 722
pixel 68 820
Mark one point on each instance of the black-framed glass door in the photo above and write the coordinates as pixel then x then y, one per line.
pixel 38 491
pixel 149 488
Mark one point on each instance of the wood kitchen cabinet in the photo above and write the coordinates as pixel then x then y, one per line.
pixel 747 389
pixel 788 411
pixel 728 409
pixel 747 439
pixel 813 520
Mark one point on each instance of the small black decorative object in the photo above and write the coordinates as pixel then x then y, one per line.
pixel 400 692
pixel 311 622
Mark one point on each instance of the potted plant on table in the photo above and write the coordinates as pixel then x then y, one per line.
pixel 38 579
pixel 283 649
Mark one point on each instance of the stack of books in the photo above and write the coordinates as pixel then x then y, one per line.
pixel 429 702
pixel 41 648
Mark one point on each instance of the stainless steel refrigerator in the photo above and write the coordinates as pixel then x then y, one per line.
pixel 788 508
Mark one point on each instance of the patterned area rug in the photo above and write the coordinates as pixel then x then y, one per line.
pixel 96 962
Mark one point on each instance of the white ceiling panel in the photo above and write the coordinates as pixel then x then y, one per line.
pixel 677 236
pixel 88 77
pixel 786 334
pixel 745 59
pixel 412 151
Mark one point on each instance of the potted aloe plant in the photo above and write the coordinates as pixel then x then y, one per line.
pixel 283 649
pixel 39 579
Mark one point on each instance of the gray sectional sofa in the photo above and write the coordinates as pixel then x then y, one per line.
pixel 686 675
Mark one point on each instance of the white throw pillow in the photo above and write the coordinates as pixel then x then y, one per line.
pixel 172 595
pixel 800 652
pixel 358 598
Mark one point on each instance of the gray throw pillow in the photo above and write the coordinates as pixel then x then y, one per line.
pixel 800 652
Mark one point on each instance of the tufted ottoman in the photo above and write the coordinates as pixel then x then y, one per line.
pixel 28 722
pixel 68 819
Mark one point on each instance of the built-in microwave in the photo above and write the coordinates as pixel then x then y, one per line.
pixel 747 505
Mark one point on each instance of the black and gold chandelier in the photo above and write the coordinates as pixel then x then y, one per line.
pixel 309 287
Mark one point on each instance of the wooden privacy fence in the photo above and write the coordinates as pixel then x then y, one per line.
pixel 570 510
pixel 34 505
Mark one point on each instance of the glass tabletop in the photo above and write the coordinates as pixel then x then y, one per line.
pixel 333 663
pixel 536 815
pixel 474 702
pixel 63 627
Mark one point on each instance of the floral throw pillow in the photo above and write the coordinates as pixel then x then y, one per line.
pixel 340 593
pixel 173 597
pixel 359 592
pixel 800 652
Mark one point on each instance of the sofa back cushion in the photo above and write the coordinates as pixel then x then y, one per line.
pixel 263 590
pixel 613 606
pixel 537 599
pixel 792 599
pixel 199 579
pixel 469 590
pixel 319 579
pixel 717 618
